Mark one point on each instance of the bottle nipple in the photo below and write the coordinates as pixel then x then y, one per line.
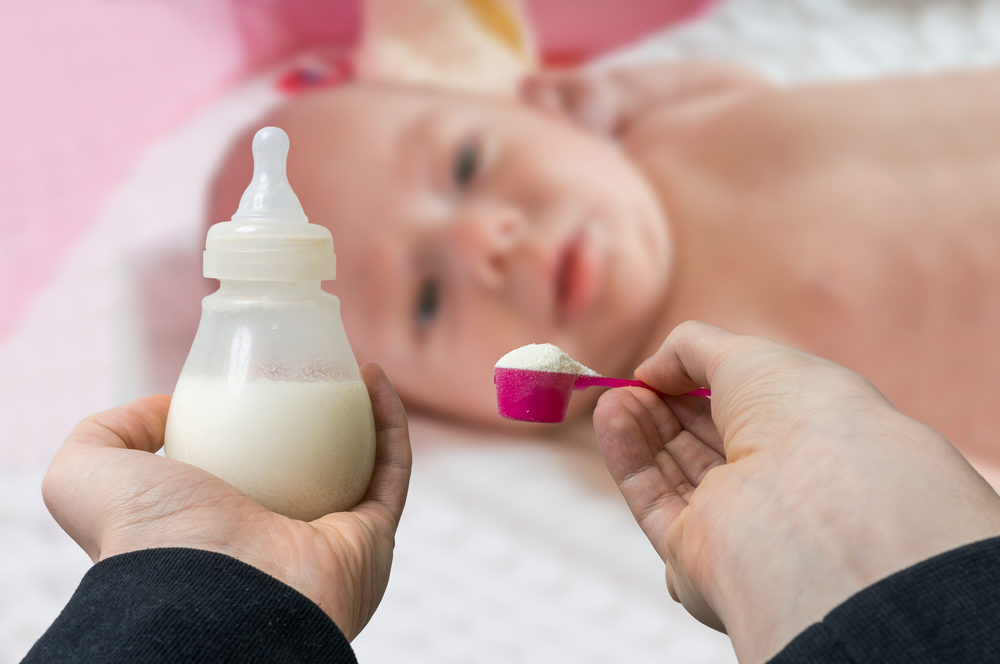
pixel 269 238
pixel 269 196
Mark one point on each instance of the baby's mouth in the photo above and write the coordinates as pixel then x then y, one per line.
pixel 576 276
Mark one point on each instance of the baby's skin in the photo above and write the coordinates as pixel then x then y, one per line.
pixel 857 221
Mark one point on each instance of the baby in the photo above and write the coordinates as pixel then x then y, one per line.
pixel 858 221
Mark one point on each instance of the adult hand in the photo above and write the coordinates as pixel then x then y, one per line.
pixel 794 487
pixel 112 494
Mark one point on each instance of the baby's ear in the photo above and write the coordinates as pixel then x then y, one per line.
pixel 231 178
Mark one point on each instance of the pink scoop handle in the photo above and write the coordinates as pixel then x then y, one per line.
pixel 543 396
pixel 583 382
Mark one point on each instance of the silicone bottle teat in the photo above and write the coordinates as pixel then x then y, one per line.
pixel 269 237
pixel 269 196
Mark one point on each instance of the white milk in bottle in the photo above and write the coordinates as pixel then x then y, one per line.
pixel 270 398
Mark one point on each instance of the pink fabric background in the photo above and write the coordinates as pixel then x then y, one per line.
pixel 88 84
pixel 571 31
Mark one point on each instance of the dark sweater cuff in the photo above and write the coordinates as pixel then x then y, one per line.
pixel 944 609
pixel 186 605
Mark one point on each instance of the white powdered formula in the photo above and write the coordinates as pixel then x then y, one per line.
pixel 303 449
pixel 543 357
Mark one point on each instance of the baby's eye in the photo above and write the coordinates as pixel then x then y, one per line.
pixel 466 164
pixel 428 302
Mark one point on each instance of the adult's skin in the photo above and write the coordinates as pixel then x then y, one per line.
pixel 797 485
pixel 112 494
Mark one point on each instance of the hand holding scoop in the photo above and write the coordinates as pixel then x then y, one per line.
pixel 541 393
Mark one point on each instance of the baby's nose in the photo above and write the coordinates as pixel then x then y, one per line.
pixel 485 240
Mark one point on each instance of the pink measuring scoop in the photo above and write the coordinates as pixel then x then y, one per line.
pixel 528 395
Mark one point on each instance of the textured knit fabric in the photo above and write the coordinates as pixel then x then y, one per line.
pixel 945 609
pixel 183 605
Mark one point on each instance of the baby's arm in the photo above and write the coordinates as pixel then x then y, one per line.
pixel 609 102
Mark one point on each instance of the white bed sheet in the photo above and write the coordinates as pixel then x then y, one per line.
pixel 509 549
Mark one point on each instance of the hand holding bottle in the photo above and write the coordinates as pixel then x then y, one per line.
pixel 112 494
pixel 795 487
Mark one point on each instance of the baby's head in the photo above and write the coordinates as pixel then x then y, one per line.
pixel 466 226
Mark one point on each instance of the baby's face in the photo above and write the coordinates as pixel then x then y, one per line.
pixel 466 227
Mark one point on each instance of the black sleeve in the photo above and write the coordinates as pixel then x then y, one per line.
pixel 945 609
pixel 184 605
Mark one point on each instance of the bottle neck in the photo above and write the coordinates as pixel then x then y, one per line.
pixel 286 290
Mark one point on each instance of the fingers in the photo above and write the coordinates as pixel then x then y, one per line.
pixel 654 462
pixel 688 456
pixel 694 414
pixel 393 456
pixel 138 425
pixel 541 91
pixel 757 385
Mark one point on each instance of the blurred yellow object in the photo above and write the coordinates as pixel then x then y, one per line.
pixel 499 20
pixel 475 45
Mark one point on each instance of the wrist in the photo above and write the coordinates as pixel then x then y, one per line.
pixel 765 605
pixel 855 534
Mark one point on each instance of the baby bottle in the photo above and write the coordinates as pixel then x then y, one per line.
pixel 270 398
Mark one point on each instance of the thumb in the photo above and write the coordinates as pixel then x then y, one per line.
pixel 138 425
pixel 74 485
pixel 688 358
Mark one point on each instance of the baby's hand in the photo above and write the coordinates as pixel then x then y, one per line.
pixel 590 99
pixel 608 102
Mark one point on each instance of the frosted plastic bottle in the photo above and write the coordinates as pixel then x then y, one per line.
pixel 270 398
